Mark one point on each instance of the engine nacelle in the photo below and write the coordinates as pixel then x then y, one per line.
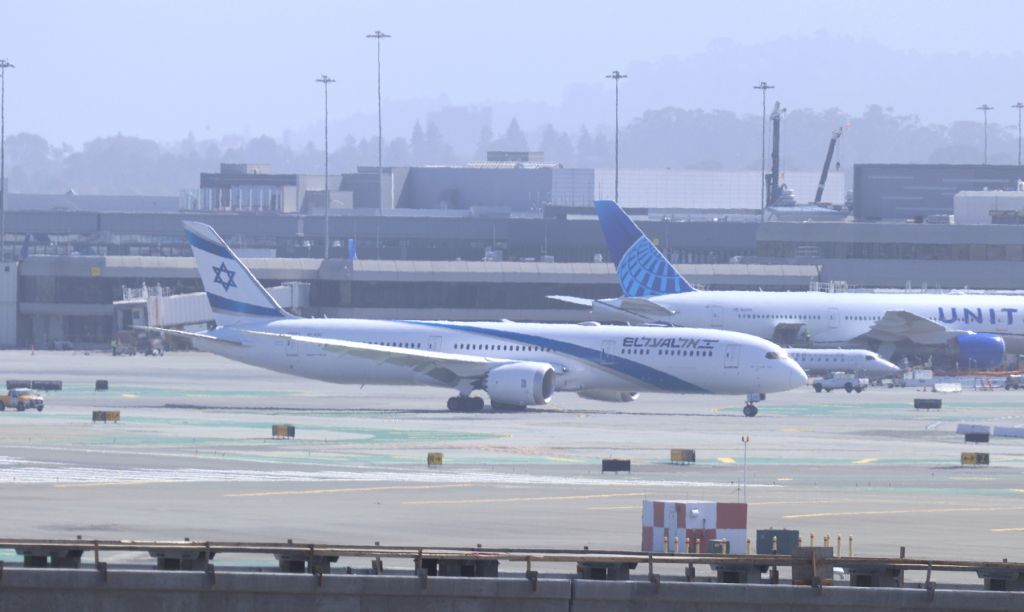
pixel 609 396
pixel 979 351
pixel 521 384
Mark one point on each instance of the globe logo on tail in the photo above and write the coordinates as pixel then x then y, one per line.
pixel 644 272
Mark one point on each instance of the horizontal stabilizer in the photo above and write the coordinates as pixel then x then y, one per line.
pixel 572 300
pixel 186 334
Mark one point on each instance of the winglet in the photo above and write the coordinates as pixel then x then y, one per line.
pixel 643 271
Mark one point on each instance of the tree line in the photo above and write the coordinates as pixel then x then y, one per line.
pixel 659 138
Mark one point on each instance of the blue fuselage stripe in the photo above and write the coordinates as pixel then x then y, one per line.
pixel 226 304
pixel 638 371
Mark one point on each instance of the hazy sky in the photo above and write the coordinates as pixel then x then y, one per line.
pixel 162 68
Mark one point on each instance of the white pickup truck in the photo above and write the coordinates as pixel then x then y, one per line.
pixel 840 380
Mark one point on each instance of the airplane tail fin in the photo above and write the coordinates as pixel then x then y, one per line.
pixel 235 295
pixel 643 271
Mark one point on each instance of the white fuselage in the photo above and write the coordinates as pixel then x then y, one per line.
pixel 839 319
pixel 584 357
pixel 818 362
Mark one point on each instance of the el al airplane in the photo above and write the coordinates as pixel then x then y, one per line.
pixel 515 364
pixel 975 330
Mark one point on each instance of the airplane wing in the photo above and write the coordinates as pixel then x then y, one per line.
pixel 897 325
pixel 641 308
pixel 445 367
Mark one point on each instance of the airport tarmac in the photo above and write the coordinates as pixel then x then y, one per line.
pixel 193 457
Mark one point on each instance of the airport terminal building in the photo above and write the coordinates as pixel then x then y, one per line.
pixel 70 258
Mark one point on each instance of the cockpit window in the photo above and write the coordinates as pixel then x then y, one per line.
pixel 771 355
pixel 869 358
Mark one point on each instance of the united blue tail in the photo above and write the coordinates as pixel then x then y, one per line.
pixel 643 271
pixel 236 297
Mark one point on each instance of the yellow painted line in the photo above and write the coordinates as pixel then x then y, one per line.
pixel 500 500
pixel 113 483
pixel 564 459
pixel 726 460
pixel 1007 529
pixel 784 479
pixel 866 460
pixel 129 395
pixel 890 512
pixel 613 507
pixel 348 490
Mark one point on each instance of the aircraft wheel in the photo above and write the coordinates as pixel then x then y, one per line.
pixel 507 407
pixel 817 387
pixel 750 410
pixel 461 403
pixel 848 387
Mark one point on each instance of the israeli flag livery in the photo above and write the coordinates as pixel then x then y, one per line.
pixel 642 270
pixel 236 297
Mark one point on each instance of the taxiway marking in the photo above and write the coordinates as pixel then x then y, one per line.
pixel 914 511
pixel 348 490
pixel 726 460
pixel 499 500
pixel 866 460
pixel 113 483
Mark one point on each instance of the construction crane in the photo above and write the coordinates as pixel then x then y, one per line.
pixel 828 162
pixel 772 179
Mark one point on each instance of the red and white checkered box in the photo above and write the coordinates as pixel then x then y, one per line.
pixel 693 521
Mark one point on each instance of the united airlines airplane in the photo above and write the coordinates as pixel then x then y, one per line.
pixel 515 364
pixel 975 331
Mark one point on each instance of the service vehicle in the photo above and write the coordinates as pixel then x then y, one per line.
pixel 21 399
pixel 840 380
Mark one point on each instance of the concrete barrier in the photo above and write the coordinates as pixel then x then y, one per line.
pixel 124 590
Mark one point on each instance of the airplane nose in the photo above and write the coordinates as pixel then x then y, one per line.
pixel 797 376
pixel 890 368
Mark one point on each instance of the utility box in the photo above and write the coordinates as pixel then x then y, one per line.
pixel 106 416
pixel 718 546
pixel 435 459
pixel 682 455
pixel 977 438
pixel 777 541
pixel 102 385
pixel 973 458
pixel 927 403
pixel 615 465
pixel 282 431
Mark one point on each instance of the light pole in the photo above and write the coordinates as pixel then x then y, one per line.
pixel 616 76
pixel 326 80
pixel 745 439
pixel 764 87
pixel 984 108
pixel 4 65
pixel 380 130
pixel 1018 106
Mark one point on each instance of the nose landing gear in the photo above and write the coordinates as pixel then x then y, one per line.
pixel 464 403
pixel 750 409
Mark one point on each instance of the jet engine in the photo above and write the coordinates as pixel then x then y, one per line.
pixel 609 396
pixel 521 384
pixel 978 351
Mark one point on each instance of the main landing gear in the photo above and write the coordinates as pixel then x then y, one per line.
pixel 465 403
pixel 750 410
